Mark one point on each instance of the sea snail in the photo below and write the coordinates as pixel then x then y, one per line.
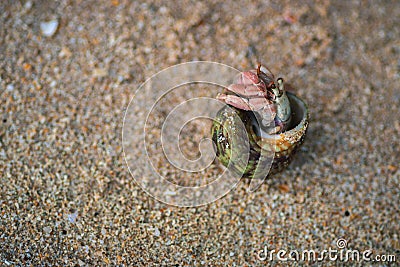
pixel 275 121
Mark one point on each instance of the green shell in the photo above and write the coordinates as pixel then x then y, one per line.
pixel 237 144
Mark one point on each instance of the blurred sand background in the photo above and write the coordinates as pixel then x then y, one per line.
pixel 66 195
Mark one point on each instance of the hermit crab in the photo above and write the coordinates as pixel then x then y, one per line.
pixel 275 123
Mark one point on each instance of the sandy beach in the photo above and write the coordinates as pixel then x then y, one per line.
pixel 68 70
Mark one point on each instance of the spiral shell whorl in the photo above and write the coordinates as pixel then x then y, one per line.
pixel 283 145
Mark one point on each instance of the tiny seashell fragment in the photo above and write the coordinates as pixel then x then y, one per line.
pixel 49 28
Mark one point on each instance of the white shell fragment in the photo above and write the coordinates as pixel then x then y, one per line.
pixel 28 5
pixel 10 87
pixel 49 28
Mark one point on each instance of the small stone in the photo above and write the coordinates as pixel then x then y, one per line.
pixel 10 87
pixel 300 198
pixel 284 188
pixel 156 232
pixel 49 28
pixel 28 5
pixel 65 52
pixel 169 193
pixel 72 217
pixel 98 72
pixel 53 84
pixel 47 229
pixel 392 168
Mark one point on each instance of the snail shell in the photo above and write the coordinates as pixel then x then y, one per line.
pixel 283 146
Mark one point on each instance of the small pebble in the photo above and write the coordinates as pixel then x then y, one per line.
pixel 49 28
pixel 156 232
pixel 10 87
pixel 53 83
pixel 28 5
pixel 170 193
pixel 72 217
pixel 98 72
pixel 47 229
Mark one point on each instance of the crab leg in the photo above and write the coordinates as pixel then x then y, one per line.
pixel 236 101
pixel 247 90
pixel 261 105
pixel 248 77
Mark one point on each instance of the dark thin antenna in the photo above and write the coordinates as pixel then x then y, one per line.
pixel 252 55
